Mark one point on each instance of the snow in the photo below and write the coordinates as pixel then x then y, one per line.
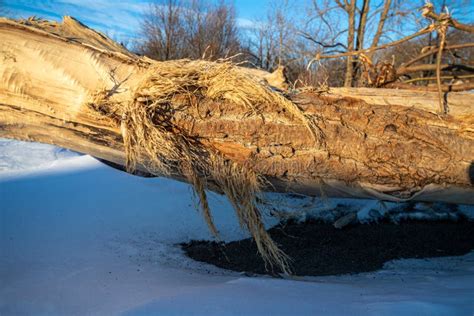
pixel 80 238
pixel 15 155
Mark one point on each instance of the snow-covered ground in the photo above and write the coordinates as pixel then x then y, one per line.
pixel 80 238
pixel 15 155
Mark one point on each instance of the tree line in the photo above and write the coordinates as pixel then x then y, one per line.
pixel 291 34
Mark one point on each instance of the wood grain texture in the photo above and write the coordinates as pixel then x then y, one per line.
pixel 375 143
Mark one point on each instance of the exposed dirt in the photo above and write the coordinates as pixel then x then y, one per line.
pixel 320 249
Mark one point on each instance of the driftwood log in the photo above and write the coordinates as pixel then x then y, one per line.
pixel 377 143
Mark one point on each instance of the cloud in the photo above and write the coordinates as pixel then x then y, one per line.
pixel 119 19
pixel 246 23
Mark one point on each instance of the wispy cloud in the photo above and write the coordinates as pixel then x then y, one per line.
pixel 246 23
pixel 119 19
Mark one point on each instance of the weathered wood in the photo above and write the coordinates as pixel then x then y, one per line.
pixel 460 104
pixel 386 144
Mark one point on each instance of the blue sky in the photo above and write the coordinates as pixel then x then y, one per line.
pixel 118 19
pixel 121 19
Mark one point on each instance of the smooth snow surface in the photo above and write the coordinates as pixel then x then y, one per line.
pixel 15 155
pixel 80 238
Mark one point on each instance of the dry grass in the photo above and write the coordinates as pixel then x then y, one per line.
pixel 151 138
pixel 242 187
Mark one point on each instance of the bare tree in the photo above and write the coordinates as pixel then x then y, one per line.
pixel 163 31
pixel 193 30
pixel 380 26
pixel 265 45
pixel 350 8
pixel 211 30
pixel 359 14
pixel 286 37
pixel 274 38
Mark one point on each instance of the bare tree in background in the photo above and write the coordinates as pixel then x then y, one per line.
pixel 211 30
pixel 163 31
pixel 350 25
pixel 275 43
pixel 192 29
pixel 270 37
pixel 357 29
pixel 366 24
pixel 288 37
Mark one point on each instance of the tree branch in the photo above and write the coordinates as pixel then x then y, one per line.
pixel 324 45
pixel 373 49
pixel 432 67
pixel 380 27
pixel 434 51
pixel 428 12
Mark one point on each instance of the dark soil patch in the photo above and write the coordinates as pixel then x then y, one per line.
pixel 320 249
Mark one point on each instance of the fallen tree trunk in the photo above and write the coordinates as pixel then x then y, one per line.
pixel 369 143
pixel 222 127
